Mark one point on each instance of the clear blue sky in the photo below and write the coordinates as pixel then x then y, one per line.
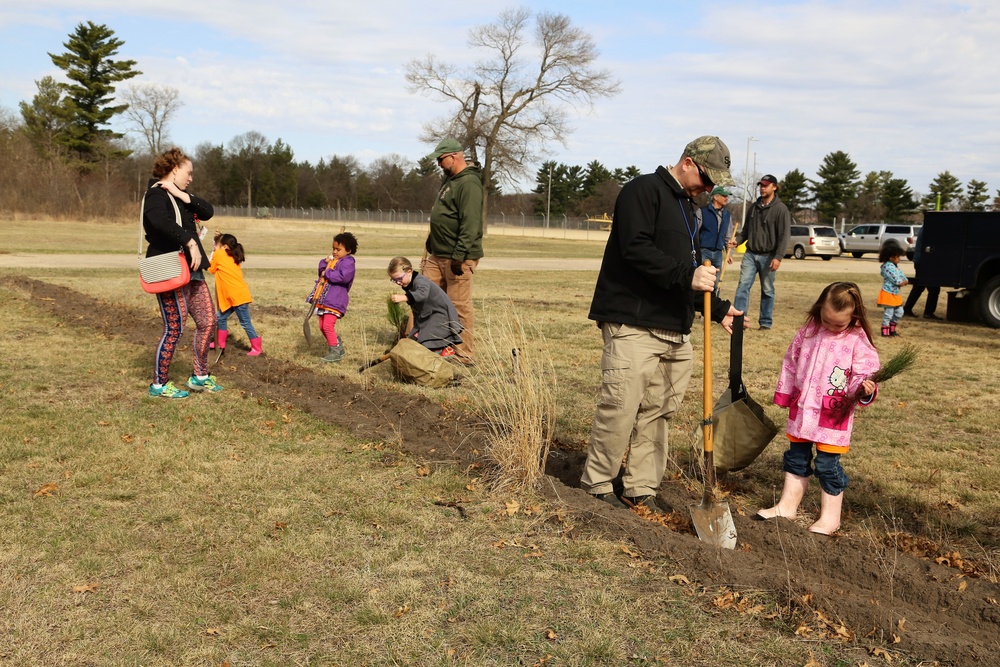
pixel 909 87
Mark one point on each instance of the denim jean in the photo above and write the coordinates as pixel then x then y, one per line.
pixel 798 460
pixel 752 265
pixel 243 313
pixel 892 314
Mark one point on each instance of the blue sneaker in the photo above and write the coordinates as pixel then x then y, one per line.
pixel 167 390
pixel 208 384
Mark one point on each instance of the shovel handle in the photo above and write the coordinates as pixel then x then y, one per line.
pixel 706 427
pixel 373 362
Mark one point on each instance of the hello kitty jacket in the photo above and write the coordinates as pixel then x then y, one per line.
pixel 819 371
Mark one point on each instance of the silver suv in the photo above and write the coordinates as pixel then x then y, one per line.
pixel 816 240
pixel 871 238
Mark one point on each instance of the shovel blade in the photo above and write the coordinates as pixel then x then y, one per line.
pixel 307 330
pixel 714 524
pixel 222 351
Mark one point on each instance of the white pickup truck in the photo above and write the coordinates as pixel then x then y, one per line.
pixel 871 237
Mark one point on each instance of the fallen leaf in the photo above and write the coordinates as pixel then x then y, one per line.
pixel 401 610
pixel 551 634
pixel 679 579
pixel 882 653
pixel 962 585
pixel 280 525
pixel 512 507
pixel 633 554
pixel 423 471
pixel 86 588
pixel 213 632
pixel 900 624
pixel 46 490
pixel 534 554
pixel 895 638
pixel 470 487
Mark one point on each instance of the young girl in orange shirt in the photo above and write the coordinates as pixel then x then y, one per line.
pixel 232 291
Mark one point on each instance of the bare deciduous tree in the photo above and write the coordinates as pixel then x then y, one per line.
pixel 150 107
pixel 513 101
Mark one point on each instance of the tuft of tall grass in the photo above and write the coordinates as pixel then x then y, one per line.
pixel 514 385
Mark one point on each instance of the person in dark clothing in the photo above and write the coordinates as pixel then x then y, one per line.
pixel 650 281
pixel 435 321
pixel 171 226
pixel 766 232
pixel 918 288
pixel 715 227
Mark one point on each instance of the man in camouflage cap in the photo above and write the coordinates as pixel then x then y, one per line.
pixel 651 281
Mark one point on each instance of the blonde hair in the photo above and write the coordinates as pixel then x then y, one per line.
pixel 399 264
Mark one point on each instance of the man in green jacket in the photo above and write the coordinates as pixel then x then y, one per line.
pixel 455 243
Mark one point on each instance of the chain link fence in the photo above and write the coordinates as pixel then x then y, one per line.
pixel 561 226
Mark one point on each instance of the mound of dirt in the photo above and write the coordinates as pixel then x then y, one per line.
pixel 863 588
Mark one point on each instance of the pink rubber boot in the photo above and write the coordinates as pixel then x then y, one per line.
pixel 255 350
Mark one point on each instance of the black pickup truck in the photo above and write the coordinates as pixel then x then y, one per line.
pixel 962 250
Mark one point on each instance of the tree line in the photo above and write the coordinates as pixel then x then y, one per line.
pixel 60 157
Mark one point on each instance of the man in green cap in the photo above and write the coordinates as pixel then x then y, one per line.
pixel 455 243
pixel 650 283
pixel 715 222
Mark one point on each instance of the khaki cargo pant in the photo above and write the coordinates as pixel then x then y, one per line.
pixel 459 290
pixel 644 374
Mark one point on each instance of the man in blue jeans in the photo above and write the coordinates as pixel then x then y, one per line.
pixel 766 231
pixel 714 234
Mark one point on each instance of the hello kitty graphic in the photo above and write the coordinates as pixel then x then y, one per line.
pixel 839 378
pixel 832 415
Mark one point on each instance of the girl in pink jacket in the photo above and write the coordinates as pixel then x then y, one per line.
pixel 828 362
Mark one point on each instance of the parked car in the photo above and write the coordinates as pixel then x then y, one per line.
pixel 962 250
pixel 813 240
pixel 871 238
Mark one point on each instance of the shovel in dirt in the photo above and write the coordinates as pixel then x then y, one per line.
pixel 712 519
pixel 306 328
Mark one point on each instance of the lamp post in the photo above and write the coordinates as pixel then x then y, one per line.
pixel 548 198
pixel 746 175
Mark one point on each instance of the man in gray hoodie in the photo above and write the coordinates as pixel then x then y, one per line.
pixel 766 232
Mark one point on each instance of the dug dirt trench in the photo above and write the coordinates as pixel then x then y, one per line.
pixel 859 586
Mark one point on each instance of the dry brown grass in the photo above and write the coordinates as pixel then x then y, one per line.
pixel 514 385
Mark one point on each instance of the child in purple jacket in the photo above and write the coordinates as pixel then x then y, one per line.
pixel 829 361
pixel 336 275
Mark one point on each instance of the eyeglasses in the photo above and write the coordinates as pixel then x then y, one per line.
pixel 705 180
pixel 398 279
pixel 441 159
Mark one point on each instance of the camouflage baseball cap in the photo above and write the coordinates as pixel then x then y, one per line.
pixel 713 156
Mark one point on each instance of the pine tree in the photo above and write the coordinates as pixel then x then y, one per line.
pixel 976 196
pixel 794 191
pixel 897 200
pixel 88 109
pixel 837 187
pixel 945 186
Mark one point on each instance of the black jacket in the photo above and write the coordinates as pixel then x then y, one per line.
pixel 645 277
pixel 160 224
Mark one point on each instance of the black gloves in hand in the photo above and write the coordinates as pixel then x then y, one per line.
pixel 456 267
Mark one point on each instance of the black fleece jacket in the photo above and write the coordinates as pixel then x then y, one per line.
pixel 645 277
pixel 162 232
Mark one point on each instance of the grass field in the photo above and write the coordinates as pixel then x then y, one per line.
pixel 235 530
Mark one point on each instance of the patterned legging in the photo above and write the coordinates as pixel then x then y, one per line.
pixel 194 298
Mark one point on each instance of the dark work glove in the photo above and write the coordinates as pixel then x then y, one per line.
pixel 456 267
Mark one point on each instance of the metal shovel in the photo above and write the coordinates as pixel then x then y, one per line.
pixel 712 519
